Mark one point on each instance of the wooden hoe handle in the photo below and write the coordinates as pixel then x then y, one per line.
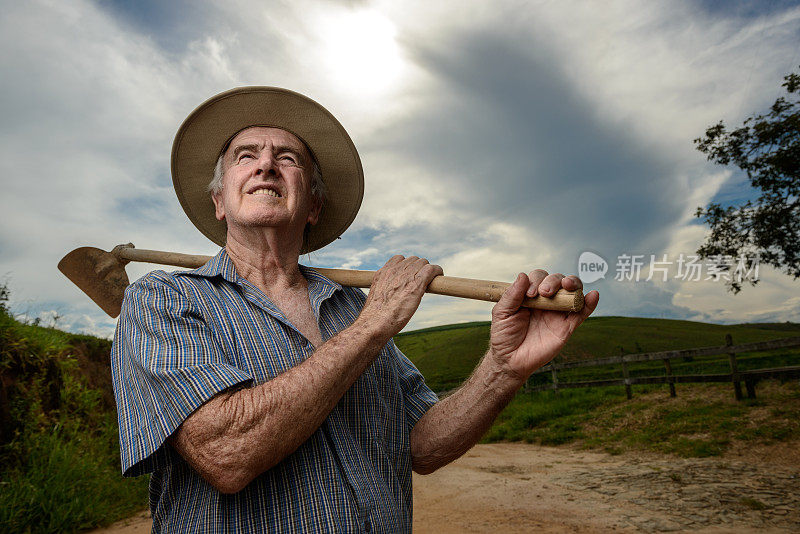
pixel 101 275
pixel 441 285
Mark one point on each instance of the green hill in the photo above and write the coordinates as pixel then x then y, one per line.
pixel 59 452
pixel 703 420
pixel 447 354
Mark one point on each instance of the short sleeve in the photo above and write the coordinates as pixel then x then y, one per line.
pixel 165 364
pixel 417 396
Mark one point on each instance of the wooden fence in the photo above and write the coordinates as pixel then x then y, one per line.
pixel 736 377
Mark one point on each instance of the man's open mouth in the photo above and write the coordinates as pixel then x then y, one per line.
pixel 265 191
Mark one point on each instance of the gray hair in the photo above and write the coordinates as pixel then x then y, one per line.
pixel 318 189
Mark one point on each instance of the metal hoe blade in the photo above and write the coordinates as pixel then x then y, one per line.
pixel 99 274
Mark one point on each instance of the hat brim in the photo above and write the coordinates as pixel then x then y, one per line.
pixel 205 132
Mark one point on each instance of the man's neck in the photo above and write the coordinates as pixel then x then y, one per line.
pixel 267 261
pixel 271 265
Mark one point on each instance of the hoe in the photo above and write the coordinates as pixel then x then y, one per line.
pixel 101 275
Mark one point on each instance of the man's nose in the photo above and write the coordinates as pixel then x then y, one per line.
pixel 266 165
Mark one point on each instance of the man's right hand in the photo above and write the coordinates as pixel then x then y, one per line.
pixel 396 292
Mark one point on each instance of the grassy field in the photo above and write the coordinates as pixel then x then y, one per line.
pixel 703 420
pixel 59 453
pixel 446 355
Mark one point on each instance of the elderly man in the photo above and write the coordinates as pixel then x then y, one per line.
pixel 263 396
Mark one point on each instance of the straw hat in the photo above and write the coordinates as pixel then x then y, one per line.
pixel 208 129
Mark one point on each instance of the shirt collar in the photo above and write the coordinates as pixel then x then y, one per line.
pixel 219 265
pixel 320 287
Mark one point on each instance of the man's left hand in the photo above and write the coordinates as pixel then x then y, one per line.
pixel 524 339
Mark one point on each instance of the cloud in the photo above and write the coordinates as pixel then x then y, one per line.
pixel 504 137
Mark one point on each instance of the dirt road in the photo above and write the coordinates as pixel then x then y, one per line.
pixel 513 487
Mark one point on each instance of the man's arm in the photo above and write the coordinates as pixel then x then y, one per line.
pixel 238 435
pixel 522 340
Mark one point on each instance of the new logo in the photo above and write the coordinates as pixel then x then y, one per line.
pixel 591 267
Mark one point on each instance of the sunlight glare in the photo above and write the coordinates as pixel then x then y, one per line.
pixel 361 52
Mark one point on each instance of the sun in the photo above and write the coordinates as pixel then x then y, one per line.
pixel 360 51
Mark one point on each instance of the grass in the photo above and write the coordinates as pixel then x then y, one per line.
pixel 446 355
pixel 550 419
pixel 68 481
pixel 704 419
pixel 59 454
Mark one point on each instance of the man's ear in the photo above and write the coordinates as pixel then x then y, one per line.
pixel 219 209
pixel 316 209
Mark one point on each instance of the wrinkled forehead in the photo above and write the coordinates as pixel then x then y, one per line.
pixel 261 135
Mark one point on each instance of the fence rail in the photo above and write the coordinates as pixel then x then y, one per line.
pixel 749 377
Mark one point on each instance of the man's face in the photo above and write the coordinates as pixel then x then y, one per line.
pixel 266 182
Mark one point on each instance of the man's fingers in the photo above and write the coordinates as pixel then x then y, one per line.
pixel 424 273
pixel 590 302
pixel 536 278
pixel 512 297
pixel 416 264
pixel 407 264
pixel 394 260
pixel 550 284
pixel 572 283
pixel 429 272
pixel 414 272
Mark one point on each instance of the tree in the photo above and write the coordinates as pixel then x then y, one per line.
pixel 767 149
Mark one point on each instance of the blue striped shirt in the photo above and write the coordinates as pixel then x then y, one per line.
pixel 185 336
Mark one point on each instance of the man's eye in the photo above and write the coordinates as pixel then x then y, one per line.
pixel 288 158
pixel 246 156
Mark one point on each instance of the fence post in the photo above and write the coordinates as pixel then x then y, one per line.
pixel 737 386
pixel 627 380
pixel 670 378
pixel 751 388
pixel 555 377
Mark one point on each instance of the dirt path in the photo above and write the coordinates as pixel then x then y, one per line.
pixel 513 487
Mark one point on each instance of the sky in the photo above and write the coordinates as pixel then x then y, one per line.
pixel 496 137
